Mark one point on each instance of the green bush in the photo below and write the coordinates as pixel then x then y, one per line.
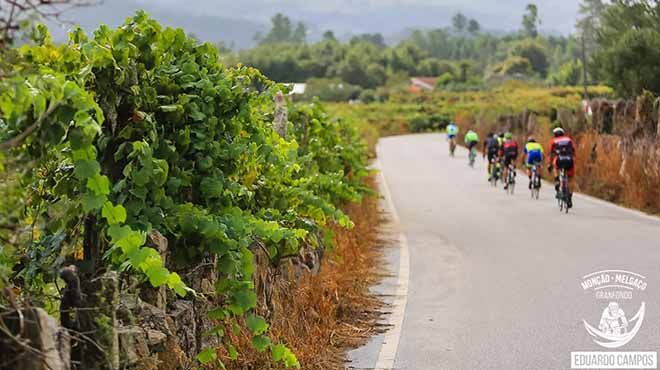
pixel 428 123
pixel 331 89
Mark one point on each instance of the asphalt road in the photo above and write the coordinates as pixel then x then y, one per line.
pixel 493 281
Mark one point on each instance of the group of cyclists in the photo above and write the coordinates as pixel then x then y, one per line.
pixel 502 151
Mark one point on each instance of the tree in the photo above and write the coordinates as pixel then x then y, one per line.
pixel 531 21
pixel 459 22
pixel 282 31
pixel 534 51
pixel 329 36
pixel 567 75
pixel 13 13
pixel 473 27
pixel 300 33
pixel 627 46
pixel 587 27
pixel 631 64
pixel 513 66
pixel 372 38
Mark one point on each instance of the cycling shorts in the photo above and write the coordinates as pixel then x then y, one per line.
pixel 472 144
pixel 451 136
pixel 570 168
pixel 534 158
pixel 508 159
pixel 492 156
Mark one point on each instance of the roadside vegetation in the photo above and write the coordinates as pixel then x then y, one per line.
pixel 135 156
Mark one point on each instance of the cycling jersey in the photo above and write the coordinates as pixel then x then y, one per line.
pixel 562 145
pixel 563 149
pixel 534 152
pixel 452 130
pixel 471 137
pixel 510 148
pixel 492 145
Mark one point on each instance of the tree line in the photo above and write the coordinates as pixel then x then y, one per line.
pixel 615 43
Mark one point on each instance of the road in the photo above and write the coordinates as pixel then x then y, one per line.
pixel 484 280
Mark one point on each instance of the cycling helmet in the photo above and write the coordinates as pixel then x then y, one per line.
pixel 558 131
pixel 531 139
pixel 508 135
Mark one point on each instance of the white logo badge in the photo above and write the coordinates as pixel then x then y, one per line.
pixel 613 329
pixel 613 290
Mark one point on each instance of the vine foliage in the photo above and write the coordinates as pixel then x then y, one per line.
pixel 141 128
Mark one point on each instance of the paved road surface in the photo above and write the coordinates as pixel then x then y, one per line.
pixel 494 280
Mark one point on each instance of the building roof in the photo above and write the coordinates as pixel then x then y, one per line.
pixel 297 88
pixel 427 83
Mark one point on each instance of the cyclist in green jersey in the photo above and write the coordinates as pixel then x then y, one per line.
pixel 471 141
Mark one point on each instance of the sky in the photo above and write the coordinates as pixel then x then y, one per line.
pixel 236 21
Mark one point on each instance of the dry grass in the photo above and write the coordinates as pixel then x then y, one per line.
pixel 631 180
pixel 323 315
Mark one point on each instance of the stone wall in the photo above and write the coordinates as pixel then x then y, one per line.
pixel 115 323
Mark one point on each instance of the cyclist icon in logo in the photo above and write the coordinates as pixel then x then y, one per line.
pixel 613 330
pixel 613 320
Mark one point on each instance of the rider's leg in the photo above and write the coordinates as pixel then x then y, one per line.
pixel 571 186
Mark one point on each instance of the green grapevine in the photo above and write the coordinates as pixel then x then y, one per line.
pixel 141 128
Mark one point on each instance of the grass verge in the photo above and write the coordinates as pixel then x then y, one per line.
pixel 322 316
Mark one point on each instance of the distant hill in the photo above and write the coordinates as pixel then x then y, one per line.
pixel 236 22
pixel 233 31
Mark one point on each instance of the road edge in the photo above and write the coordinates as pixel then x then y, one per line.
pixel 388 350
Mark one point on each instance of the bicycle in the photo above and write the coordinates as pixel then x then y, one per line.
pixel 536 182
pixel 563 194
pixel 472 156
pixel 494 172
pixel 510 180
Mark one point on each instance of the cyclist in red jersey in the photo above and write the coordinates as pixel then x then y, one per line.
pixel 509 152
pixel 562 156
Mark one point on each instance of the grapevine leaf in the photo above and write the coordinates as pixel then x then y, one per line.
pixel 158 275
pixel 261 342
pixel 243 300
pixel 278 351
pixel 86 168
pixel 256 324
pixel 114 214
pixel 207 356
pixel 175 283
pixel 91 202
pixel 99 184
pixel 232 352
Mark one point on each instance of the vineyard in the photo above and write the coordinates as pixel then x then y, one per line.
pixel 135 164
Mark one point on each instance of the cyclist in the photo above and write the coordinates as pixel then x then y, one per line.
pixel 452 131
pixel 500 138
pixel 509 152
pixel 471 140
pixel 562 156
pixel 491 147
pixel 532 157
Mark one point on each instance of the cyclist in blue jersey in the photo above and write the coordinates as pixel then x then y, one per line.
pixel 532 157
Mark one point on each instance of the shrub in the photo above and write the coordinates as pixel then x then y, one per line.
pixel 335 90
